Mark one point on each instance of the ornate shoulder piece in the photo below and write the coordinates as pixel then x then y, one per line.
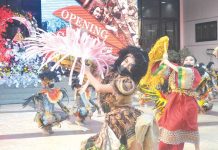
pixel 125 86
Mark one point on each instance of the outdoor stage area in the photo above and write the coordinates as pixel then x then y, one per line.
pixel 19 132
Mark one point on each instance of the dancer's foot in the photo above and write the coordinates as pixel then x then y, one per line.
pixel 90 115
pixel 50 130
pixel 45 131
pixel 99 113
pixel 79 123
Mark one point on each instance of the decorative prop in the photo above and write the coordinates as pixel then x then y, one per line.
pixel 155 56
pixel 76 44
pixel 14 69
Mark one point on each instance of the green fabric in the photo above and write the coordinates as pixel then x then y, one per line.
pixel 122 147
pixel 180 71
pixel 161 67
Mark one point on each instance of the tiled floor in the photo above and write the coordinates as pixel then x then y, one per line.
pixel 19 132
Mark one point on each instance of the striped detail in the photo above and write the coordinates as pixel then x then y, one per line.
pixel 160 69
pixel 185 78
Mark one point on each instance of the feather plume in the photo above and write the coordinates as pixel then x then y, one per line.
pixel 76 44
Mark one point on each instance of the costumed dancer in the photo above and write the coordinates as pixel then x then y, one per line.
pixel 85 100
pixel 81 108
pixel 178 123
pixel 211 71
pixel 92 96
pixel 204 89
pixel 125 127
pixel 44 103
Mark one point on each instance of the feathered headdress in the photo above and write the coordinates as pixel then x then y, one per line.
pixel 76 44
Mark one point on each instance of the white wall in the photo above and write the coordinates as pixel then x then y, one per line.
pixel 198 11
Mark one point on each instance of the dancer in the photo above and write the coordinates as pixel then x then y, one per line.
pixel 80 107
pixel 178 123
pixel 215 52
pixel 45 100
pixel 125 127
pixel 92 96
pixel 204 89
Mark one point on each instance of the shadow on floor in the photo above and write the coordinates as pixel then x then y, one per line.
pixel 212 113
pixel 92 125
pixel 208 123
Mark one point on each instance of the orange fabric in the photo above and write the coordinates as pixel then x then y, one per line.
pixel 53 94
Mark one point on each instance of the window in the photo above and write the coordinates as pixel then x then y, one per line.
pixel 206 31
pixel 159 18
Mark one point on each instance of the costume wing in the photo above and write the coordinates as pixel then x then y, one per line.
pixel 37 98
pixel 150 82
pixel 155 56
pixel 157 97
pixel 64 92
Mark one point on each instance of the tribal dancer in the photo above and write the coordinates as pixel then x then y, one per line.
pixel 85 97
pixel 204 89
pixel 178 107
pixel 92 96
pixel 125 127
pixel 178 123
pixel 44 103
pixel 80 107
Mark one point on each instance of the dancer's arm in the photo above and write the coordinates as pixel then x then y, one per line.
pixel 168 63
pixel 99 87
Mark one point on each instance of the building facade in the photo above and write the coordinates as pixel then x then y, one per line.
pixel 198 28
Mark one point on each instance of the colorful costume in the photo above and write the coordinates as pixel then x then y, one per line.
pixel 123 124
pixel 45 101
pixel 125 127
pixel 91 96
pixel 80 108
pixel 204 89
pixel 84 105
pixel 178 123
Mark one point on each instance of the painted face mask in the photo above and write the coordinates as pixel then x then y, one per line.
pixel 123 71
pixel 187 65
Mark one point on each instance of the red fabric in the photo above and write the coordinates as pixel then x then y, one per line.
pixel 181 110
pixel 155 66
pixel 180 113
pixel 197 78
pixel 164 146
